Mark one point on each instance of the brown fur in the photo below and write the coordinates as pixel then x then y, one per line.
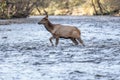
pixel 61 31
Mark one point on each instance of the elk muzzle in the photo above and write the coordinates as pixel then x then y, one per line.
pixel 39 23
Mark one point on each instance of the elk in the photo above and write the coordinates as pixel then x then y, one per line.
pixel 61 31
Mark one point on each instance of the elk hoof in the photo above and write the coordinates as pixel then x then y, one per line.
pixel 52 44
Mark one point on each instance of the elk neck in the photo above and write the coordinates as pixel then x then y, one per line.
pixel 49 26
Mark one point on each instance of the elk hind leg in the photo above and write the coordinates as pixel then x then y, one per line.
pixel 74 41
pixel 81 41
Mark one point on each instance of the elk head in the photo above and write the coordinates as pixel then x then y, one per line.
pixel 45 19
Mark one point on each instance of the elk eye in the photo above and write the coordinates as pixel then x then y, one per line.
pixel 45 18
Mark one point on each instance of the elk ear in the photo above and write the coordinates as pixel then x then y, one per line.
pixel 46 13
pixel 46 17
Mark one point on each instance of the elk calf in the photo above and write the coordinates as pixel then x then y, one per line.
pixel 61 31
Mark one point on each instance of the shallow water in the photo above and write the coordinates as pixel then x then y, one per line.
pixel 26 53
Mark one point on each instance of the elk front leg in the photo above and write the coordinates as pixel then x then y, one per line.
pixel 57 40
pixel 51 40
